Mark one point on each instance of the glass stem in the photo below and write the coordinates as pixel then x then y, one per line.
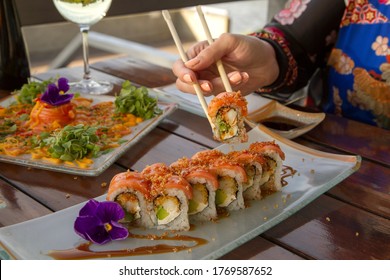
pixel 84 34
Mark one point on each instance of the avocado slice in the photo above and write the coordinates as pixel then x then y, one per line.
pixel 161 213
pixel 220 197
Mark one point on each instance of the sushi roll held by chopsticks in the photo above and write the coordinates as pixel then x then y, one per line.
pixel 227 111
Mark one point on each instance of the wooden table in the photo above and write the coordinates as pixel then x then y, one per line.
pixel 350 221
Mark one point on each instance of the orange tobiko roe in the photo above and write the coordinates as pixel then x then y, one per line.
pixel 228 99
pixel 46 117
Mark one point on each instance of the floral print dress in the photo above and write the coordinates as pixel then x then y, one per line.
pixel 351 41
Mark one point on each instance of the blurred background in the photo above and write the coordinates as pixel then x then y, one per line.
pixel 52 42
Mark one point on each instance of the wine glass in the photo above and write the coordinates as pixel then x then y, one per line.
pixel 85 13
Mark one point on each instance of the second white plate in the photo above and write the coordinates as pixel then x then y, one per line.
pixel 104 161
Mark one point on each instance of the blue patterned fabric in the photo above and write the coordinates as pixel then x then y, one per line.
pixel 357 79
pixel 352 43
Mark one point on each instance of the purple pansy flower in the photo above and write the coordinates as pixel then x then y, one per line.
pixel 98 222
pixel 55 95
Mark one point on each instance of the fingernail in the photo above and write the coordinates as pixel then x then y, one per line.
pixel 245 76
pixel 205 87
pixel 236 78
pixel 192 62
pixel 187 78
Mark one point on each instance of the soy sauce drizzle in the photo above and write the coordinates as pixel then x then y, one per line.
pixel 287 171
pixel 84 251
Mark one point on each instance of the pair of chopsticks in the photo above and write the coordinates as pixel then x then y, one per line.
pixel 184 57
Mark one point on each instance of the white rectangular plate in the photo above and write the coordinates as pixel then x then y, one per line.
pixel 316 173
pixel 104 161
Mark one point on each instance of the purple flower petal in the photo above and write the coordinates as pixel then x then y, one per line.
pixel 63 99
pixel 109 211
pixel 89 209
pixel 98 222
pixel 49 95
pixel 99 236
pixel 55 95
pixel 87 225
pixel 63 84
pixel 118 231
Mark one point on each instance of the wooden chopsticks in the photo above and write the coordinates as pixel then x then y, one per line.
pixel 184 57
pixel 221 69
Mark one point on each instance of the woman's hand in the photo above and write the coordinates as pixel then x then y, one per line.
pixel 249 62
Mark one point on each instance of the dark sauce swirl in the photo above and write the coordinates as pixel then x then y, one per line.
pixel 287 171
pixel 84 251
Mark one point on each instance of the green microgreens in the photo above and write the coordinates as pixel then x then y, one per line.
pixel 29 92
pixel 136 101
pixel 73 142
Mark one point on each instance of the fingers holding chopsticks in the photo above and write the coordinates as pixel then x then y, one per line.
pixel 201 67
pixel 227 110
pixel 210 82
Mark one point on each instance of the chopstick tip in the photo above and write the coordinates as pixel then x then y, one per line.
pixel 166 14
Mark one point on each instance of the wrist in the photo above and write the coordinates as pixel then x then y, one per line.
pixel 271 69
pixel 287 66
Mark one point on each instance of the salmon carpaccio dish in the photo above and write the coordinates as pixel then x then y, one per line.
pixel 199 188
pixel 73 132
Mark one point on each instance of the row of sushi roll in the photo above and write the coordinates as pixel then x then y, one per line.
pixel 191 190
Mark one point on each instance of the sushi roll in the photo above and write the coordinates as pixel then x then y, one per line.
pixel 204 185
pixel 170 195
pixel 131 191
pixel 231 177
pixel 253 166
pixel 273 170
pixel 227 111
